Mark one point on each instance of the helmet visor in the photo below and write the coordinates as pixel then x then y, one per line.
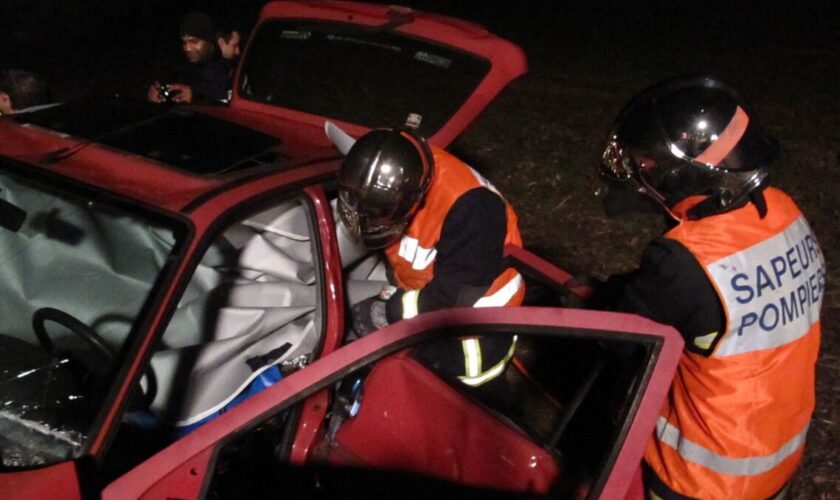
pixel 369 223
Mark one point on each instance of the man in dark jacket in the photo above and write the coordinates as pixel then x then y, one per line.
pixel 206 75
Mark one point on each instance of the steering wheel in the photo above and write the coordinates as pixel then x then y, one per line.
pixel 86 333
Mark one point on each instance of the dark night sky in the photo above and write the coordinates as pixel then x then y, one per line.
pixel 99 46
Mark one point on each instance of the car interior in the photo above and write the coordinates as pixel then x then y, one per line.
pixel 552 425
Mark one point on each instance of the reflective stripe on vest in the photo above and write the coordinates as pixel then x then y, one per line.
pixel 483 181
pixel 773 290
pixel 503 295
pixel 500 298
pixel 750 466
pixel 472 363
pixel 419 257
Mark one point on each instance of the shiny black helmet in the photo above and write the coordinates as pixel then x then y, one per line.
pixel 686 137
pixel 382 183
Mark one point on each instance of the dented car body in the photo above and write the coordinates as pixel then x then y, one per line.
pixel 175 287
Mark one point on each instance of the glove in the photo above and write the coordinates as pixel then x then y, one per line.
pixel 368 316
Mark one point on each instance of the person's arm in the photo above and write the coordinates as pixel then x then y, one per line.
pixel 669 287
pixel 470 255
pixel 153 93
pixel 214 82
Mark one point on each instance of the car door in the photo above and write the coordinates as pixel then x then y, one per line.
pixel 590 385
pixel 369 66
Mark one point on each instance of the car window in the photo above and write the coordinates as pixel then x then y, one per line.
pixel 250 315
pixel 76 272
pixel 366 76
pixel 552 425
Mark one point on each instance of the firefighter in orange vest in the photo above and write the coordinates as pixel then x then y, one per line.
pixel 739 274
pixel 443 228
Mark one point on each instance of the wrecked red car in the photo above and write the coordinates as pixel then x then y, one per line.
pixel 174 288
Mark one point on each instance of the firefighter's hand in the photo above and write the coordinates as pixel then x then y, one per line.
pixel 368 316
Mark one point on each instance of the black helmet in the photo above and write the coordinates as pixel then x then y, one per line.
pixel 382 183
pixel 685 137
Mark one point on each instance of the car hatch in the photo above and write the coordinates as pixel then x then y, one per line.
pixel 369 66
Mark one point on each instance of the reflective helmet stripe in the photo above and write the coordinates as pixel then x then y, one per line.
pixel 422 149
pixel 748 466
pixel 727 140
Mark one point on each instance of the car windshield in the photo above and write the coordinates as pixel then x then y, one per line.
pixel 76 271
pixel 366 76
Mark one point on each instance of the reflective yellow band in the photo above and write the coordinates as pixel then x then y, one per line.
pixel 409 303
pixel 705 342
pixel 478 378
pixel 472 357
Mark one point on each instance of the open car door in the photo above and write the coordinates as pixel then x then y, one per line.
pixel 371 66
pixel 573 415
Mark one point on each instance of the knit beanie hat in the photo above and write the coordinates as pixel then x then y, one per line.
pixel 199 25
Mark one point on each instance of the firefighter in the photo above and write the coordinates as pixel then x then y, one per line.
pixel 739 274
pixel 443 228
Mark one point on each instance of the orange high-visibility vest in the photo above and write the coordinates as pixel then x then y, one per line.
pixel 413 259
pixel 735 423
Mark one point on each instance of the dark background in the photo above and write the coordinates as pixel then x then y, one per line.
pixel 539 141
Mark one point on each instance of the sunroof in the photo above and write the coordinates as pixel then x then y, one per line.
pixel 174 135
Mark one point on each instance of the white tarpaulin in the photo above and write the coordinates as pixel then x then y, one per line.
pixel 253 303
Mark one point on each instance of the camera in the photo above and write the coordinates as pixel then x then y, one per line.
pixel 166 93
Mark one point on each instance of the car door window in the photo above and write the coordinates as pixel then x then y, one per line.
pixel 251 304
pixel 553 424
pixel 251 314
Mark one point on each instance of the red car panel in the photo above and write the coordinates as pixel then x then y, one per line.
pixel 173 464
pixel 412 411
pixel 418 422
pixel 57 481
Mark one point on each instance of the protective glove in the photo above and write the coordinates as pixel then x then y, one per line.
pixel 368 316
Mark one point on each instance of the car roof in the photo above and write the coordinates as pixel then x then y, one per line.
pixel 167 157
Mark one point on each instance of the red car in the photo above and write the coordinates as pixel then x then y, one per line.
pixel 174 289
